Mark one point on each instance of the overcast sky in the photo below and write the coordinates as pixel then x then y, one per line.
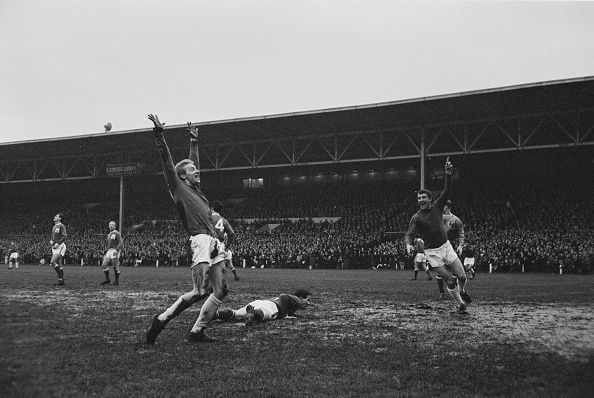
pixel 67 67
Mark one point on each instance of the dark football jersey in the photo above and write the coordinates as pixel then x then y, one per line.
pixel 58 233
pixel 287 304
pixel 468 252
pixel 454 228
pixel 221 226
pixel 428 223
pixel 191 204
pixel 113 239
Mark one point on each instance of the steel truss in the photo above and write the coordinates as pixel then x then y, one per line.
pixel 473 136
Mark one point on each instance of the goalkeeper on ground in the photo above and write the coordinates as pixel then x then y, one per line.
pixel 256 311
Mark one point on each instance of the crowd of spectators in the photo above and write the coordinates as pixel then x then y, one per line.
pixel 514 224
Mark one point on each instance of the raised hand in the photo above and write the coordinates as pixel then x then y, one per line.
pixel 193 131
pixel 448 166
pixel 155 120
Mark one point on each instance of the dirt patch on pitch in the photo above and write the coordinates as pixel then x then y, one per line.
pixel 560 328
pixel 567 330
pixel 78 302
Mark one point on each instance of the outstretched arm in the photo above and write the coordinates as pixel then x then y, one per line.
pixel 194 156
pixel 230 234
pixel 165 154
pixel 445 194
pixel 461 238
pixel 410 234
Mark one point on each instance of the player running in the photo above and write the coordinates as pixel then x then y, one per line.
pixel 226 237
pixel 468 258
pixel 183 182
pixel 455 230
pixel 428 224
pixel 454 227
pixel 229 264
pixel 58 247
pixel 256 311
pixel 112 256
pixel 420 261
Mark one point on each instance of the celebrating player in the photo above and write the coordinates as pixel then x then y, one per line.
pixel 428 224
pixel 226 236
pixel 112 256
pixel 265 310
pixel 58 247
pixel 183 182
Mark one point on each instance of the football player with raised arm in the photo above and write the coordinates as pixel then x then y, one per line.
pixel 183 182
pixel 427 223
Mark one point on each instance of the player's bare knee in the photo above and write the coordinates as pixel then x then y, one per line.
pixel 202 292
pixel 194 296
pixel 221 291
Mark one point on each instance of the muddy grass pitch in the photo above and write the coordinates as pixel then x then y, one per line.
pixel 370 334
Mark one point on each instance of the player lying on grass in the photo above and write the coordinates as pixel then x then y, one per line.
pixel 279 307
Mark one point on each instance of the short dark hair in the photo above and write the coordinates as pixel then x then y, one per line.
pixel 60 215
pixel 217 205
pixel 425 191
pixel 302 294
pixel 448 203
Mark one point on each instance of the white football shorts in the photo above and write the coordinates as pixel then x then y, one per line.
pixel 202 245
pixel 420 258
pixel 61 250
pixel 469 262
pixel 112 254
pixel 222 256
pixel 443 255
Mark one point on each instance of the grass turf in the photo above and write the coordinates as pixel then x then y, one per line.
pixel 370 333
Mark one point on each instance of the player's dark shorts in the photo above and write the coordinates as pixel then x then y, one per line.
pixel 284 304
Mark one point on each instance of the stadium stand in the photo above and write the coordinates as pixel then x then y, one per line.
pixel 331 188
pixel 531 214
